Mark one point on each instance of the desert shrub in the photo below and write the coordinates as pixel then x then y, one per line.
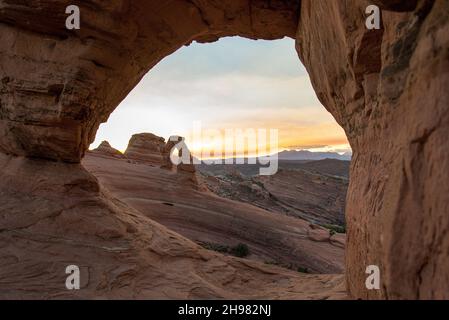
pixel 288 266
pixel 241 250
pixel 333 229
pixel 215 247
pixel 303 270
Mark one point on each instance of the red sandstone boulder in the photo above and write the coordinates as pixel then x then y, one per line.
pixel 147 148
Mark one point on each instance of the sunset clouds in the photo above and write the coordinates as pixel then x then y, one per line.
pixel 233 83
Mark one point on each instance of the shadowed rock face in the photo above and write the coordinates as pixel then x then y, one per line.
pixel 151 149
pixel 396 5
pixel 146 147
pixel 386 88
pixel 73 80
pixel 105 149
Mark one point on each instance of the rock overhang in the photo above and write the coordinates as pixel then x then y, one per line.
pixel 57 86
pixel 53 110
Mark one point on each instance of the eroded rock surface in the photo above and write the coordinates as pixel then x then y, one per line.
pixel 146 147
pixel 55 214
pixel 106 149
pixel 73 80
pixel 175 202
pixel 293 191
pixel 386 88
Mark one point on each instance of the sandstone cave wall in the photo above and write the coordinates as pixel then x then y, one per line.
pixel 58 85
pixel 386 88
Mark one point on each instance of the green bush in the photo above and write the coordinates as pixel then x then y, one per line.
pixel 215 247
pixel 241 250
pixel 303 270
pixel 333 229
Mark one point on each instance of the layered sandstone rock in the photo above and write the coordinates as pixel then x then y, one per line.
pixel 177 147
pixel 73 79
pixel 146 147
pixel 386 88
pixel 106 149
pixel 54 214
pixel 171 199
pixel 167 163
pixel 185 168
pixel 151 149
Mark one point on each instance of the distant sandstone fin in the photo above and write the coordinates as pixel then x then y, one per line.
pixel 146 148
pixel 105 148
pixel 151 149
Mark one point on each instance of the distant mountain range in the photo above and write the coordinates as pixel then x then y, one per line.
pixel 305 155
pixel 308 155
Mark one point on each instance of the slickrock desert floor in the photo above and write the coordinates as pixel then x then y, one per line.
pixel 122 253
pixel 177 212
pixel 312 190
pixel 173 199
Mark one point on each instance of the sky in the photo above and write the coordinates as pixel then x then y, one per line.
pixel 230 84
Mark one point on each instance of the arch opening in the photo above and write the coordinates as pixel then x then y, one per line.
pixel 225 89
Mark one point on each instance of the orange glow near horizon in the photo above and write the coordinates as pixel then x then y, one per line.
pixel 316 138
